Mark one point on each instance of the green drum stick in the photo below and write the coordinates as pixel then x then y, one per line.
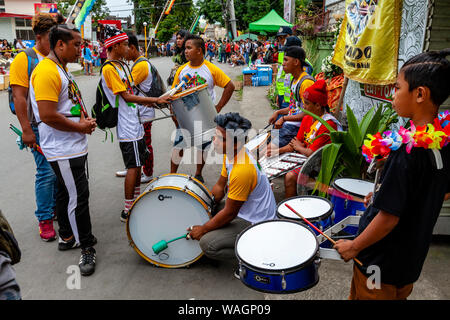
pixel 162 245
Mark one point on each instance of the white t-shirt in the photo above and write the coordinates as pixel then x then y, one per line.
pixel 49 83
pixel 208 71
pixel 142 76
pixel 114 82
pixel 247 182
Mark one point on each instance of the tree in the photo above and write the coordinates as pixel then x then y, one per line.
pixel 181 16
pixel 99 10
pixel 246 11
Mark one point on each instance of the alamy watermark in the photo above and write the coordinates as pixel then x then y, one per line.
pixel 73 282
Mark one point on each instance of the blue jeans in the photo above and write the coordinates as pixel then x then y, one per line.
pixel 246 56
pixel 286 134
pixel 45 185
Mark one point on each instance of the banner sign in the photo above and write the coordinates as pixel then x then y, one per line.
pixel 382 93
pixel 51 8
pixel 367 46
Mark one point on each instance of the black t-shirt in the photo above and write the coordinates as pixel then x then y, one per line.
pixel 413 189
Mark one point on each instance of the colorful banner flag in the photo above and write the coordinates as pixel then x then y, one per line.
pixel 80 11
pixel 367 46
pixel 169 7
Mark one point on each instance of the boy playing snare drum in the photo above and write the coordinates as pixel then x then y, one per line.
pixel 395 231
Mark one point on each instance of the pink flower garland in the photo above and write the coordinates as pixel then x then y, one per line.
pixel 430 136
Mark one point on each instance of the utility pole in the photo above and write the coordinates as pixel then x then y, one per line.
pixel 232 18
pixel 225 15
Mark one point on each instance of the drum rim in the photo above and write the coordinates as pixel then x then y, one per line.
pixel 274 271
pixel 133 245
pixel 317 219
pixel 348 192
pixel 184 93
pixel 203 186
pixel 284 291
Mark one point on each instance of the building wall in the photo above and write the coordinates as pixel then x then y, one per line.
pixel 337 7
pixel 20 6
pixel 412 34
pixel 7 29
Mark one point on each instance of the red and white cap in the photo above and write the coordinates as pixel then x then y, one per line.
pixel 113 35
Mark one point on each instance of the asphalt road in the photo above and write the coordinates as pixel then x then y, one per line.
pixel 46 273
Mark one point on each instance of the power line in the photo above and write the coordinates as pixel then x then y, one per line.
pixel 155 7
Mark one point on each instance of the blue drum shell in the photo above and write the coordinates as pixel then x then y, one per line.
pixel 266 281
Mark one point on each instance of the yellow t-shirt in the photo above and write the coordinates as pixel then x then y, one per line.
pixel 294 106
pixel 242 179
pixel 140 72
pixel 18 74
pixel 213 75
pixel 50 83
pixel 48 90
pixel 113 80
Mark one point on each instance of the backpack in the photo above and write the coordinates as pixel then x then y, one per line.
pixel 105 112
pixel 33 61
pixel 297 91
pixel 157 88
pixel 8 242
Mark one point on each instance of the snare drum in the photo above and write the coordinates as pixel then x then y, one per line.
pixel 278 256
pixel 169 205
pixel 316 209
pixel 343 207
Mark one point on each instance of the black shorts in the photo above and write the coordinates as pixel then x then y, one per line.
pixel 134 153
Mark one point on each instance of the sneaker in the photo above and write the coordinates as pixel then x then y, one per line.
pixel 121 174
pixel 237 274
pixel 46 230
pixel 199 178
pixel 67 245
pixel 87 261
pixel 124 216
pixel 145 178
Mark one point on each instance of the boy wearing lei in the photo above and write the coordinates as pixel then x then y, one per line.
pixel 395 230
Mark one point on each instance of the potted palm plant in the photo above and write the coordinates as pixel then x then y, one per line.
pixel 343 156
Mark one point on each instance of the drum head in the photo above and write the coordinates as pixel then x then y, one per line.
pixel 165 214
pixel 311 207
pixel 276 245
pixel 355 187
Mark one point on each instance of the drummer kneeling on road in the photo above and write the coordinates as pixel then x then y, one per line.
pixel 250 198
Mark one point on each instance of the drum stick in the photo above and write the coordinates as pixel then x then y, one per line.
pixel 19 133
pixel 327 189
pixel 318 230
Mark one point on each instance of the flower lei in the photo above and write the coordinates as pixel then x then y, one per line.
pixel 430 136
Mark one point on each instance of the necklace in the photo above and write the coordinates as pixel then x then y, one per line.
pixel 429 136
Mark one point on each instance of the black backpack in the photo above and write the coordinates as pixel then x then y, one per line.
pixel 33 61
pixel 157 88
pixel 105 112
pixel 8 242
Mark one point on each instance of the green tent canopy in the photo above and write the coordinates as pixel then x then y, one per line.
pixel 270 23
pixel 244 36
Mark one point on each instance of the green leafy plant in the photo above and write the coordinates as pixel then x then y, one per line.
pixel 343 156
pixel 272 96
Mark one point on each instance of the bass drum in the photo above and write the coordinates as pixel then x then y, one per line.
pixel 169 205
